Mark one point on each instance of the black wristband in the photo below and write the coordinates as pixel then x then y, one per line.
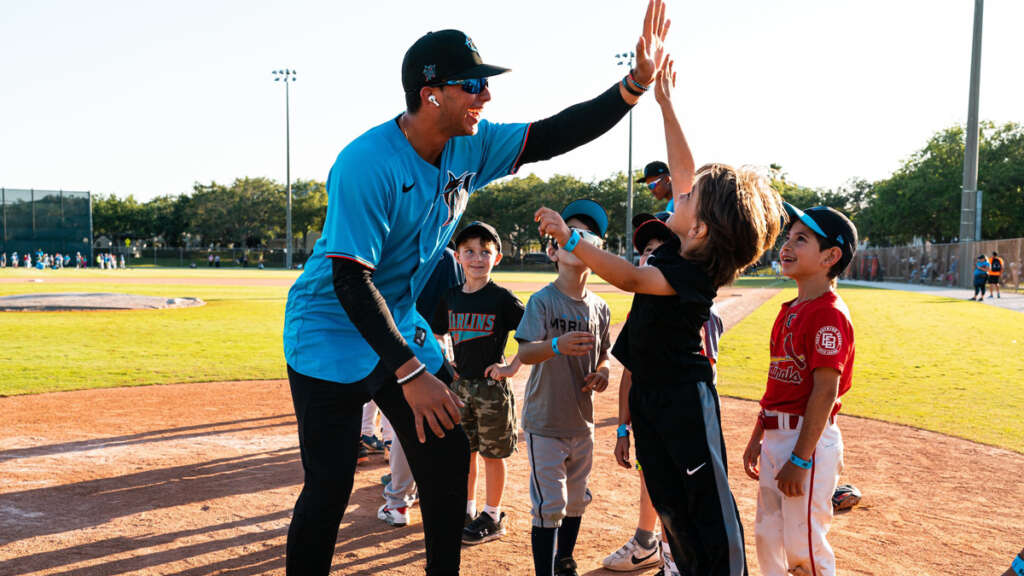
pixel 630 89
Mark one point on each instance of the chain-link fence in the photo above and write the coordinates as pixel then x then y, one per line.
pixel 937 264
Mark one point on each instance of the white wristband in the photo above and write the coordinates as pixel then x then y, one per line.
pixel 412 375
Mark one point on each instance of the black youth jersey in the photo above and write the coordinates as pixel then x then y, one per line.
pixel 661 341
pixel 479 323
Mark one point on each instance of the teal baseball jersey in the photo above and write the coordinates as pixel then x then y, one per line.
pixel 393 212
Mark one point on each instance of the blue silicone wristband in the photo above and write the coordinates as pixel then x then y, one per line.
pixel 574 239
pixel 1018 566
pixel 805 464
pixel 554 346
pixel 622 431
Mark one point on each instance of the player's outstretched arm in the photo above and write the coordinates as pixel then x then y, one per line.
pixel 617 271
pixel 680 159
pixel 583 122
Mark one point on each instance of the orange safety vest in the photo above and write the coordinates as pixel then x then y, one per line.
pixel 996 267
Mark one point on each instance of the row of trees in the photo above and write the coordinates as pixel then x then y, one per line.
pixel 921 200
pixel 248 213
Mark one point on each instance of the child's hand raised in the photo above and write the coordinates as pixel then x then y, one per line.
pixel 550 223
pixel 664 84
pixel 575 343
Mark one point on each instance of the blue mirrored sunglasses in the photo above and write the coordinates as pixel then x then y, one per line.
pixel 469 85
pixel 654 184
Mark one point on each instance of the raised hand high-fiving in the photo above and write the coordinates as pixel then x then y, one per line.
pixel 664 83
pixel 650 48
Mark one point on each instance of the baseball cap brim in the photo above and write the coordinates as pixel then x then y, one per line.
pixel 798 214
pixel 478 71
pixel 484 227
pixel 646 227
pixel 587 207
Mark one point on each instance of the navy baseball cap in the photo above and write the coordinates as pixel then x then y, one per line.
pixel 647 227
pixel 589 208
pixel 479 226
pixel 656 168
pixel 830 225
pixel 444 55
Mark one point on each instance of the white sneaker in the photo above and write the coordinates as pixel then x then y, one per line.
pixel 669 566
pixel 633 556
pixel 394 516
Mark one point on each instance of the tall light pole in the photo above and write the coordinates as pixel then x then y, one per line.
pixel 626 59
pixel 287 76
pixel 970 201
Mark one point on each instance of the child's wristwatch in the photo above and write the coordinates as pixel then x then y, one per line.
pixel 622 431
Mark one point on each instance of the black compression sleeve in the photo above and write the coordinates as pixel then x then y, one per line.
pixel 574 126
pixel 353 284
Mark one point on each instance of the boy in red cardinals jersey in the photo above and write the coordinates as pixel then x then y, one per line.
pixel 796 449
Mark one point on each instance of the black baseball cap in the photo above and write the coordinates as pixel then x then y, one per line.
pixel 647 227
pixel 479 226
pixel 656 168
pixel 444 55
pixel 589 208
pixel 831 225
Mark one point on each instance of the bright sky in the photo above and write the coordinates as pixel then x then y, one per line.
pixel 145 98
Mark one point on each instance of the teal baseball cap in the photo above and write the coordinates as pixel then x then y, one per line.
pixel 590 209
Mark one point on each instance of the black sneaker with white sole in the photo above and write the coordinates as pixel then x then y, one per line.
pixel 484 529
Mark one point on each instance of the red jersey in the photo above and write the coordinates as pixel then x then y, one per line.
pixel 813 334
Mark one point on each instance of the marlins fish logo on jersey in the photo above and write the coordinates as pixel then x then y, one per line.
pixel 456 194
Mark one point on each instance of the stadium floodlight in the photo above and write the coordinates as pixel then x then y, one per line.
pixel 626 59
pixel 287 76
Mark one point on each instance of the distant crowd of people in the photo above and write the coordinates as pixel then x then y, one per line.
pixel 43 261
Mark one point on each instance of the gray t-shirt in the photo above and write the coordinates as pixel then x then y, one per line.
pixel 555 404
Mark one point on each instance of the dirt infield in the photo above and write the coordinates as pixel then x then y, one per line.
pixel 200 479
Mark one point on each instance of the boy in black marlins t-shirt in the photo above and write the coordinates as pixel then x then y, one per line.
pixel 479 315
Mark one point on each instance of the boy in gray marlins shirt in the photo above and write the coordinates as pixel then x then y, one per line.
pixel 564 335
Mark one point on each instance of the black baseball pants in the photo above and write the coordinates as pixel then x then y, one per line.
pixel 329 418
pixel 679 445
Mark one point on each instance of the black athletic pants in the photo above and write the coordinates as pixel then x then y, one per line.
pixel 329 415
pixel 679 445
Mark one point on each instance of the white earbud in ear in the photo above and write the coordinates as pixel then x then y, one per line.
pixel 433 100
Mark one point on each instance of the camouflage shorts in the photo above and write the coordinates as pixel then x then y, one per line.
pixel 489 417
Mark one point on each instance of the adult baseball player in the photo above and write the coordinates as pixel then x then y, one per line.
pixel 395 195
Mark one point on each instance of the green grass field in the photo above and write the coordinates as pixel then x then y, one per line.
pixel 940 364
pixel 946 365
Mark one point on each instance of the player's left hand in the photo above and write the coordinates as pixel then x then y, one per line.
pixel 550 223
pixel 596 381
pixel 498 371
pixel 650 48
pixel 664 84
pixel 791 479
